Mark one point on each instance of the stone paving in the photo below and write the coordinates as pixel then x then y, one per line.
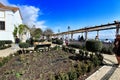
pixel 8 51
pixel 107 72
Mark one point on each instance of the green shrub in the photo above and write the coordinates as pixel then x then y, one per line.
pixel 84 68
pixel 94 45
pixel 52 77
pixel 5 60
pixel 107 50
pixel 56 48
pixel 71 50
pixel 3 42
pixel 104 50
pixel 78 69
pixel 1 64
pixel 75 45
pixel 63 76
pixel 110 50
pixel 86 54
pixel 8 42
pixel 100 58
pixel 65 48
pixel 72 75
pixel 90 66
pixel 96 60
pixel 82 53
pixel 60 42
pixel 57 41
pixel 37 40
pixel 23 45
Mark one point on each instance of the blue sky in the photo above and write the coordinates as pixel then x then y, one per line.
pixel 59 14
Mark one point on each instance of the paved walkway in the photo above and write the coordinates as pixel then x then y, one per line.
pixel 8 51
pixel 107 72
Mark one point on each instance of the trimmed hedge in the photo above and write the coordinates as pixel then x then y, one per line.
pixel 79 46
pixel 41 40
pixel 23 45
pixel 3 42
pixel 75 45
pixel 107 49
pixel 57 41
pixel 94 45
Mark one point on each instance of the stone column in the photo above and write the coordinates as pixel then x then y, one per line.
pixel 98 33
pixel 71 36
pixel 117 29
pixel 86 35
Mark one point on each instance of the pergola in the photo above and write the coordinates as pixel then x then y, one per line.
pixel 114 25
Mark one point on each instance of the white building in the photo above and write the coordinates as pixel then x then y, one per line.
pixel 9 17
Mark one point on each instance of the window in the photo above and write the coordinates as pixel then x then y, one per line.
pixel 2 25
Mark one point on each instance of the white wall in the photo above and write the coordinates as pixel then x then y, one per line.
pixel 10 19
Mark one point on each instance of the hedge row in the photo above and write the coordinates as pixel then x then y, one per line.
pixel 42 40
pixel 79 46
pixel 3 42
pixel 57 41
pixel 94 45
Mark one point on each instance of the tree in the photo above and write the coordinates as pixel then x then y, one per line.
pixel 36 32
pixel 47 33
pixel 20 30
pixel 15 31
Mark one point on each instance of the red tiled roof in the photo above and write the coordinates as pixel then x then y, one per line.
pixel 14 9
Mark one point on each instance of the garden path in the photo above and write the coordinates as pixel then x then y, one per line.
pixel 109 71
pixel 8 51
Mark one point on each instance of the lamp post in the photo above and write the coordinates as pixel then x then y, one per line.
pixel 58 32
pixel 68 31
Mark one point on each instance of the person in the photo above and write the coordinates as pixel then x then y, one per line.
pixel 82 38
pixel 116 50
pixel 17 40
pixel 66 41
pixel 79 38
pixel 31 41
pixel 96 38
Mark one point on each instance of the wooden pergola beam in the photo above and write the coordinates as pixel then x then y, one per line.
pixel 90 29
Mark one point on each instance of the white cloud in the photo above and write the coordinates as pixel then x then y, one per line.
pixel 5 2
pixel 30 14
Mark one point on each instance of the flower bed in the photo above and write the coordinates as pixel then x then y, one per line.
pixel 52 65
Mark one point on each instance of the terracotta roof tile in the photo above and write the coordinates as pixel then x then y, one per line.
pixel 9 7
pixel 14 9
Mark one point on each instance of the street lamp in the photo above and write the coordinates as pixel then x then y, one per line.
pixel 58 33
pixel 68 28
pixel 68 31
